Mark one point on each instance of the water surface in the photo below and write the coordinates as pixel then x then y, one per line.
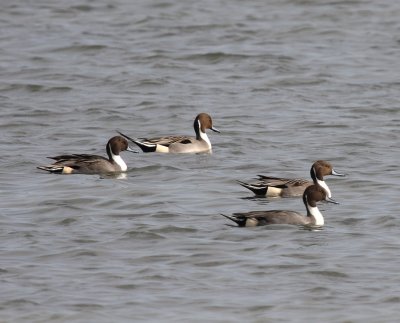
pixel 286 82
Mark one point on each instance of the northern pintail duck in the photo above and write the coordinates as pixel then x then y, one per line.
pixel 179 144
pixel 288 187
pixel 92 164
pixel 311 196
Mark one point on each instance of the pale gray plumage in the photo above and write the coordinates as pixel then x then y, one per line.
pixel 180 144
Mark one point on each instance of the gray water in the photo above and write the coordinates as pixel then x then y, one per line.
pixel 286 82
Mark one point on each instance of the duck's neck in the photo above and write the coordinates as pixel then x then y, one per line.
pixel 117 159
pixel 319 180
pixel 315 214
pixel 200 135
pixel 120 162
pixel 204 137
pixel 325 187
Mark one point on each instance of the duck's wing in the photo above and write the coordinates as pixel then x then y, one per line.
pixel 77 158
pixel 279 181
pixel 169 140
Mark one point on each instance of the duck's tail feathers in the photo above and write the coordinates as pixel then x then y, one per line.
pixel 144 146
pixel 260 190
pixel 52 169
pixel 241 222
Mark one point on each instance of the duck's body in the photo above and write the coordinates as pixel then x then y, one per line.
pixel 259 218
pixel 92 164
pixel 311 196
pixel 290 187
pixel 180 144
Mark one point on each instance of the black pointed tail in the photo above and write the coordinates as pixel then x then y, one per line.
pixel 145 147
pixel 256 189
pixel 52 169
pixel 241 222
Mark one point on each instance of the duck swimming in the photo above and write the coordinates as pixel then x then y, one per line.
pixel 290 187
pixel 92 164
pixel 311 196
pixel 180 144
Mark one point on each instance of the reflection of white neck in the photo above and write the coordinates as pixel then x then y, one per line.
pixel 314 211
pixel 325 187
pixel 119 161
pixel 204 136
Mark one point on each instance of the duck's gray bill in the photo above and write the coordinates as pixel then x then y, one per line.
pixel 335 173
pixel 331 200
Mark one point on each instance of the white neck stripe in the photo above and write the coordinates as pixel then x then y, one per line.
pixel 314 211
pixel 119 161
pixel 204 136
pixel 325 187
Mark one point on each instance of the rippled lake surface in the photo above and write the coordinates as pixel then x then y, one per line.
pixel 286 82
